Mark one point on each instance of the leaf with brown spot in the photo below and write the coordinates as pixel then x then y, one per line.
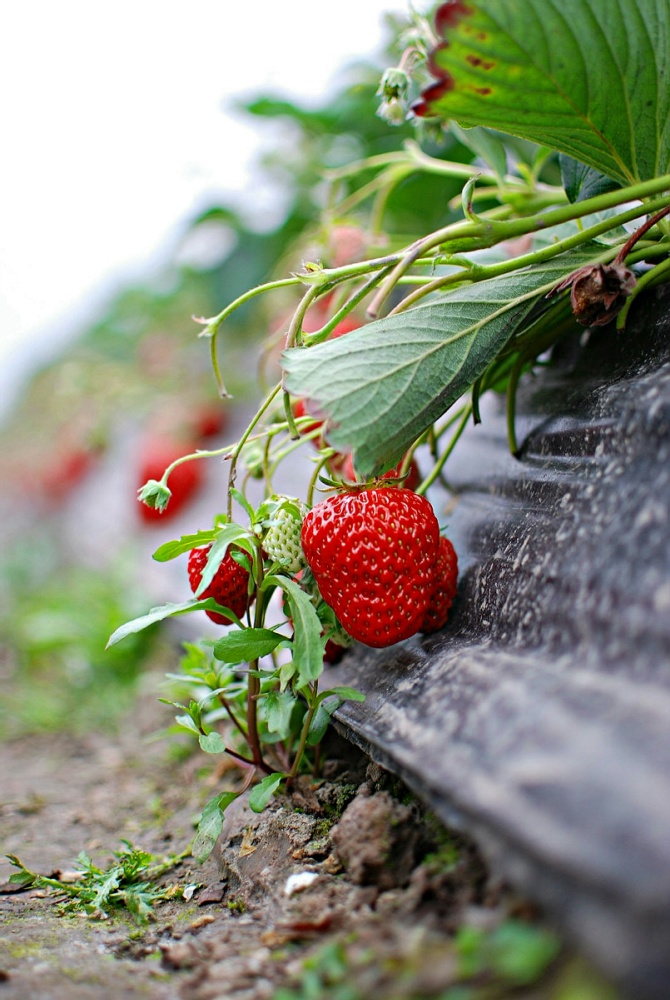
pixel 587 79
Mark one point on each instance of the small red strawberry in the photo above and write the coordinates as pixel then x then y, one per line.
pixel 229 586
pixel 372 553
pixel 446 573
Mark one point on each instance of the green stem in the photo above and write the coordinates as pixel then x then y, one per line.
pixel 254 682
pixel 512 385
pixel 277 457
pixel 648 279
pixel 319 335
pixel 216 368
pixel 312 707
pixel 193 456
pixel 315 478
pixel 223 701
pixel 167 866
pixel 269 399
pixel 491 230
pixel 439 465
pixel 213 325
pixel 483 273
pixel 294 334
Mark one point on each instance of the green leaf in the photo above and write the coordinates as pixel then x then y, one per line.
pixel 485 144
pixel 382 386
pixel 278 710
pixel 520 952
pixel 308 642
pixel 210 825
pixel 321 719
pixel 186 722
pixel 24 876
pixel 224 539
pixel 244 503
pixel 588 79
pixel 162 612
pixel 260 794
pixel 212 743
pixel 346 693
pixel 286 674
pixel 582 182
pixel 170 550
pixel 245 645
pixel 195 711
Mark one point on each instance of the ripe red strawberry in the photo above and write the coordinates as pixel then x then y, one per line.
pixel 229 586
pixel 185 482
pixel 446 573
pixel 373 553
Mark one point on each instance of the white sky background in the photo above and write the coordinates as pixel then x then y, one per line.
pixel 114 127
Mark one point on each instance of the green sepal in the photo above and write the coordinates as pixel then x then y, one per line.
pixel 260 794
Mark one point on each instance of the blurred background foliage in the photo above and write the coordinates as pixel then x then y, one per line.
pixel 137 382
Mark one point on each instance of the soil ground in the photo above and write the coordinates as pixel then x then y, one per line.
pixel 397 906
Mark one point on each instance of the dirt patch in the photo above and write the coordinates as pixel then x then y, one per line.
pixel 344 887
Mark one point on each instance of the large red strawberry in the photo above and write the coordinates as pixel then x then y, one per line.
pixel 229 586
pixel 446 573
pixel 373 554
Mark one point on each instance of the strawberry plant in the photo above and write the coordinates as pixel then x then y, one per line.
pixel 556 116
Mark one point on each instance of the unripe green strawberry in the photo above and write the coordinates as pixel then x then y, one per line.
pixel 229 586
pixel 372 553
pixel 446 573
pixel 282 540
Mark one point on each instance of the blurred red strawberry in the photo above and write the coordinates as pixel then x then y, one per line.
pixel 209 420
pixel 156 453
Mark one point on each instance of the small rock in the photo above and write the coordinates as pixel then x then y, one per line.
pixel 376 841
pixel 299 881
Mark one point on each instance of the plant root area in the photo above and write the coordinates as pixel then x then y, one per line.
pixel 344 887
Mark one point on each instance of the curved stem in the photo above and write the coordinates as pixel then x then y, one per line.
pixel 492 230
pixel 512 385
pixel 319 335
pixel 645 281
pixel 254 683
pixel 243 440
pixel 312 706
pixel 439 465
pixel 314 479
